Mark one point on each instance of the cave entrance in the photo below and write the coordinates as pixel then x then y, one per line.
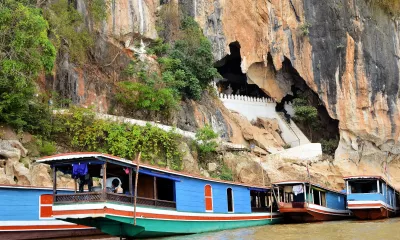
pixel 309 112
pixel 234 81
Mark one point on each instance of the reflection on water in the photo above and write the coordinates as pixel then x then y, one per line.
pixel 349 230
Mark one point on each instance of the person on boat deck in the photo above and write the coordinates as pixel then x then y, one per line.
pixel 86 179
pixel 80 172
pixel 116 186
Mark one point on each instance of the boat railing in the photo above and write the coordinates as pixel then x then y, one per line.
pixel 78 197
pixel 111 197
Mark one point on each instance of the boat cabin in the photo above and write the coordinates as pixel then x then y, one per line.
pixel 105 178
pixel 302 201
pixel 371 197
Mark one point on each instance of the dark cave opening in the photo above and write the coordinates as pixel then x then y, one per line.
pixel 234 81
pixel 324 129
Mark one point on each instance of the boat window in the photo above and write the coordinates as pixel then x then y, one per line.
pixel 363 186
pixel 260 201
pixel 293 193
pixel 316 197
pixel 165 189
pixel 208 198
pixel 397 199
pixel 229 194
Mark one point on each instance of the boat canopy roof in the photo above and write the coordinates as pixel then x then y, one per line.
pixel 369 177
pixel 315 185
pixel 101 158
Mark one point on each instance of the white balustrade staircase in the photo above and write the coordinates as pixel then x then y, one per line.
pixel 291 133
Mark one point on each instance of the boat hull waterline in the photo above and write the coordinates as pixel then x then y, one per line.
pixel 118 220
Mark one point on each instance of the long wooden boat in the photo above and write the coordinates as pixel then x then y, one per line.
pixel 25 213
pixel 371 197
pixel 167 202
pixel 302 201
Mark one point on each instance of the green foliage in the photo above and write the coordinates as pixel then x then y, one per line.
pixel 226 173
pixel 306 114
pixel 205 138
pixel 143 96
pixel 82 131
pixel 329 146
pixel 305 29
pixel 194 52
pixel 158 47
pixel 151 92
pixel 25 52
pixel 47 148
pixel 67 30
pixel 187 51
pixel 97 10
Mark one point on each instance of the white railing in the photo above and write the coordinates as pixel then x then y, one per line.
pixel 224 96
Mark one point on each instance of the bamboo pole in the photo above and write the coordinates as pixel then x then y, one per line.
pixel 136 182
pixel 271 203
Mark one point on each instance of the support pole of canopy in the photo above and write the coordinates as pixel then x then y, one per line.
pixel 155 190
pixel 387 209
pixel 279 196
pixel 276 199
pixel 130 182
pixel 136 183
pixel 54 181
pixel 271 202
pixel 75 185
pixel 104 180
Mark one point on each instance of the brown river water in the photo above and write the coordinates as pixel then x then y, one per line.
pixel 348 230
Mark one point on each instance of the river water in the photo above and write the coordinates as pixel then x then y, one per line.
pixel 337 230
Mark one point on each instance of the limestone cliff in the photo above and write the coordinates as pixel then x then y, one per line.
pixel 346 51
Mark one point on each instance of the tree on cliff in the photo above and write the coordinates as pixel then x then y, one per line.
pixel 190 52
pixel 25 52
pixel 307 115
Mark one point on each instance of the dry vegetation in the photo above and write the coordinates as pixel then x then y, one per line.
pixel 390 6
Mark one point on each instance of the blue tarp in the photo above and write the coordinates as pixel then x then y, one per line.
pixel 159 174
pixel 258 189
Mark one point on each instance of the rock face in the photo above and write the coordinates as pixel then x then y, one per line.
pixel 246 168
pixel 346 51
pixel 12 170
